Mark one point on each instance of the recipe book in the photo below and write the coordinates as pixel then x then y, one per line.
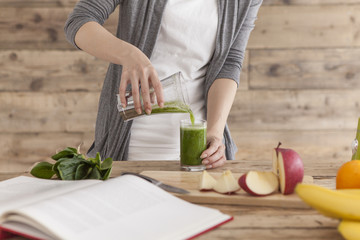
pixel 125 207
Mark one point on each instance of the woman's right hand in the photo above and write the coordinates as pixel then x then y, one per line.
pixel 138 71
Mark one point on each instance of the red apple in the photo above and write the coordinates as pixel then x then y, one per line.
pixel 288 164
pixel 259 183
pixel 207 182
pixel 226 183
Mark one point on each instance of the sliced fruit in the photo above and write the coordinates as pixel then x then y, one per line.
pixel 290 169
pixel 207 182
pixel 226 183
pixel 259 183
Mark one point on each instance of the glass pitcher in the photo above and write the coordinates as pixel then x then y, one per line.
pixel 176 99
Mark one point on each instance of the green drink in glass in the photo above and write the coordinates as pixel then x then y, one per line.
pixel 192 144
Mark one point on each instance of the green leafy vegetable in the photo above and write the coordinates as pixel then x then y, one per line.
pixel 72 165
pixel 82 171
pixel 96 160
pixel 66 153
pixel 106 164
pixel 106 173
pixel 43 170
pixel 67 168
pixel 95 174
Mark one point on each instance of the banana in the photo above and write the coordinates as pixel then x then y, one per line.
pixel 350 191
pixel 332 203
pixel 350 230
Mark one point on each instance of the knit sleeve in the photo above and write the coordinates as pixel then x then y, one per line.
pixel 233 63
pixel 88 11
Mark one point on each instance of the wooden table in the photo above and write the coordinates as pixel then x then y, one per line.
pixel 253 222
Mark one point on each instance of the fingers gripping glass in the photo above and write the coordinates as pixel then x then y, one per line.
pixel 175 99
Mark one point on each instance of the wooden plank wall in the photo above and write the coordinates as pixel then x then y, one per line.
pixel 300 83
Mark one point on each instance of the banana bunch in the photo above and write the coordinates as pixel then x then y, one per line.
pixel 341 204
pixel 350 229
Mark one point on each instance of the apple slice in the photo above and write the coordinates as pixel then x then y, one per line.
pixel 290 168
pixel 275 164
pixel 259 183
pixel 226 183
pixel 207 182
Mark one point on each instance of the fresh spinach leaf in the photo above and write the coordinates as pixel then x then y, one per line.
pixel 66 153
pixel 106 164
pixel 43 170
pixel 81 171
pixel 106 174
pixel 96 160
pixel 67 168
pixel 95 174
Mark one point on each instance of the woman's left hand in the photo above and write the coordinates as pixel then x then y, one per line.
pixel 214 155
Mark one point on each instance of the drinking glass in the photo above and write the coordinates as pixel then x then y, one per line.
pixel 192 144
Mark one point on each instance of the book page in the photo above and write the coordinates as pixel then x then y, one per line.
pixel 125 207
pixel 19 191
pixel 19 225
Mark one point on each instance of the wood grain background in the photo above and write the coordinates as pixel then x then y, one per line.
pixel 300 83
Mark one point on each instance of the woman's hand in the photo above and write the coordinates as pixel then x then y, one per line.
pixel 220 98
pixel 137 68
pixel 138 71
pixel 214 155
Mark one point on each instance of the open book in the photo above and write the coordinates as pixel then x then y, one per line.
pixel 125 207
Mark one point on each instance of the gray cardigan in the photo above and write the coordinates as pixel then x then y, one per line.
pixel 139 24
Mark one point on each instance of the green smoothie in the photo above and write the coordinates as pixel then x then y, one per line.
pixel 169 107
pixel 174 107
pixel 192 142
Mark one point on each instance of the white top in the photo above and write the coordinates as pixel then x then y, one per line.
pixel 185 43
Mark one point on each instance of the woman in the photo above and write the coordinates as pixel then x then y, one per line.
pixel 204 39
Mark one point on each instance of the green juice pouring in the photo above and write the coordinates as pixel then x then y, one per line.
pixel 192 132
